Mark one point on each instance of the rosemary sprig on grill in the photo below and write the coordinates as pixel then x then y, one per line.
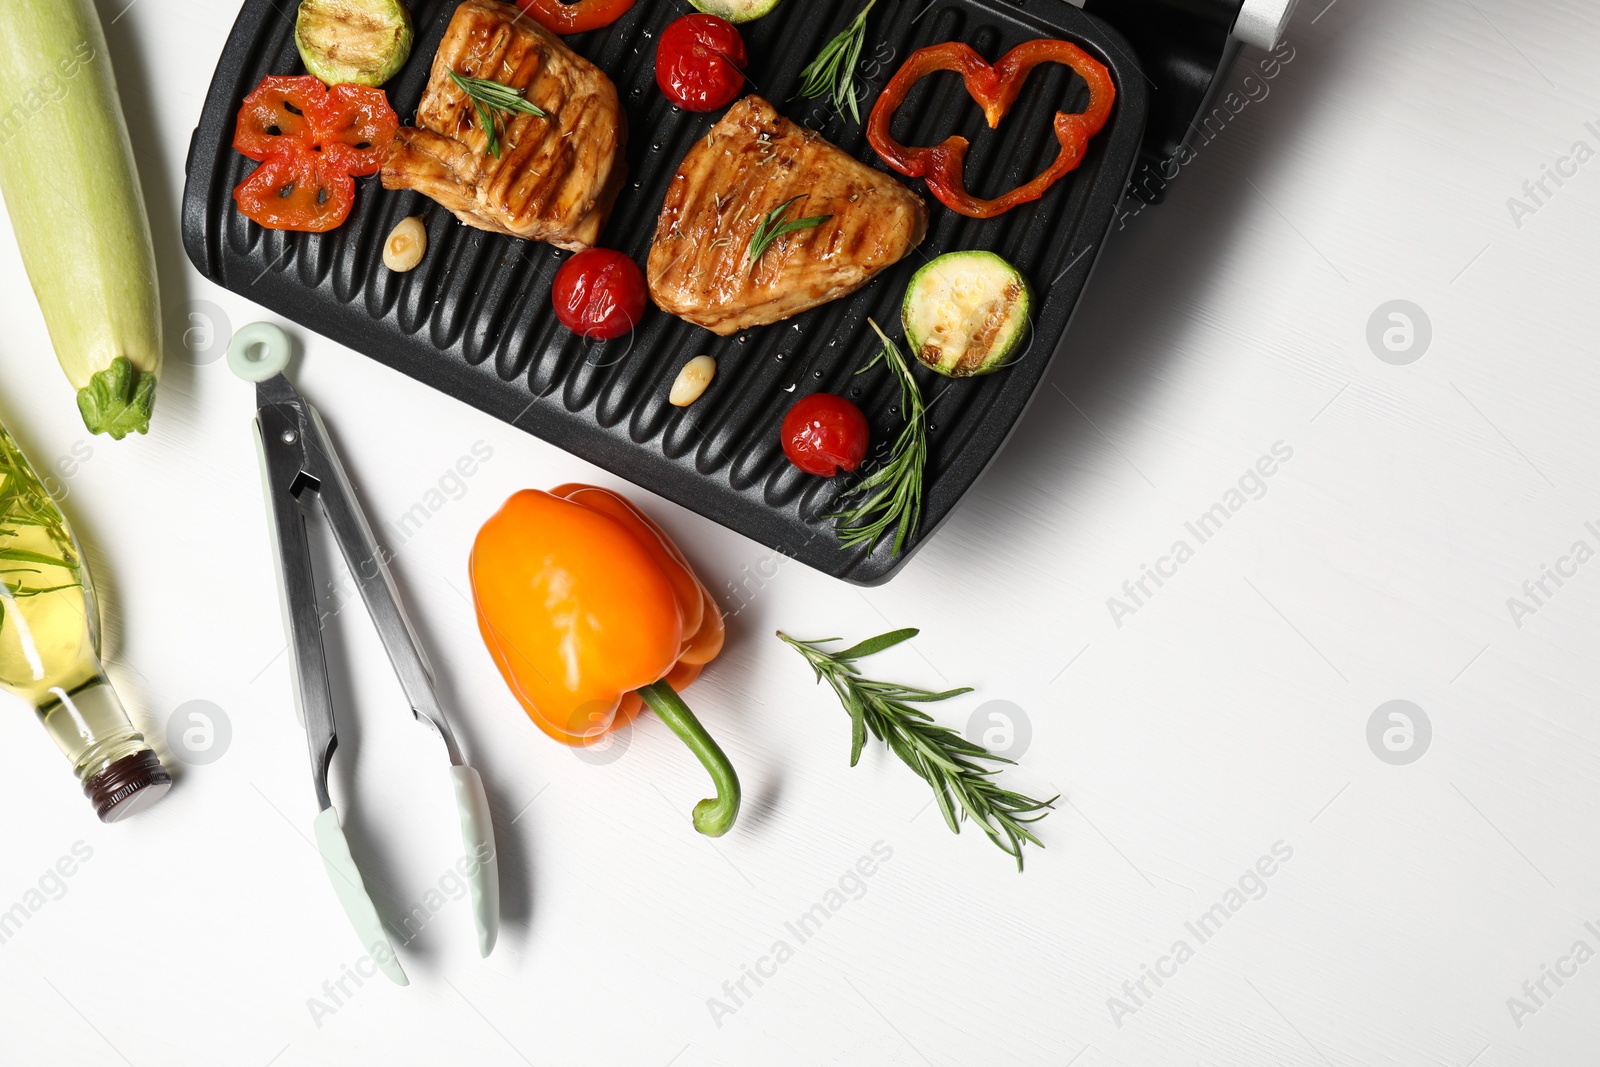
pixel 964 788
pixel 773 227
pixel 892 493
pixel 833 71
pixel 493 100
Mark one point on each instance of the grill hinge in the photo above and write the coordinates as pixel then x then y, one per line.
pixel 1185 47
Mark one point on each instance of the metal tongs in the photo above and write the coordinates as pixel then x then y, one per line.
pixel 302 476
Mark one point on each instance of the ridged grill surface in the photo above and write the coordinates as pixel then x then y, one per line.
pixel 474 319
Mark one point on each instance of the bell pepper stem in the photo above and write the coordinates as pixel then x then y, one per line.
pixel 713 816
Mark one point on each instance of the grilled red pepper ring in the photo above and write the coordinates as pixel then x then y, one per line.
pixel 280 110
pixel 559 17
pixel 297 191
pixel 311 142
pixel 995 88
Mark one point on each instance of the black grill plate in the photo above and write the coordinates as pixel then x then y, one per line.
pixel 474 320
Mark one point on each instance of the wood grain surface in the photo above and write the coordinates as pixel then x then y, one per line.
pixel 1361 524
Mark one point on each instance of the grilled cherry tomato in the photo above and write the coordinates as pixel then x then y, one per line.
pixel 559 16
pixel 599 294
pixel 825 434
pixel 699 61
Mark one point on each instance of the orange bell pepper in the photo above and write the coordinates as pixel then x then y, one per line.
pixel 591 612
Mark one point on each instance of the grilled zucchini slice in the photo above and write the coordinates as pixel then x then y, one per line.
pixel 736 10
pixel 353 42
pixel 966 312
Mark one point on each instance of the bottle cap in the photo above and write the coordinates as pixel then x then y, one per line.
pixel 127 786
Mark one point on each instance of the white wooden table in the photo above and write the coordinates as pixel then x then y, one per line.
pixel 1304 896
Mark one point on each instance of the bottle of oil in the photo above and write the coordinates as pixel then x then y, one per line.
pixel 50 646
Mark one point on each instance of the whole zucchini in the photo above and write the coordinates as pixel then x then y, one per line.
pixel 67 176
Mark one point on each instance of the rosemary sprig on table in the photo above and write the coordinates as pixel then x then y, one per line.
pixel 492 100
pixel 834 70
pixel 893 492
pixel 772 227
pixel 940 756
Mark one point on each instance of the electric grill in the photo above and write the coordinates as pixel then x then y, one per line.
pixel 475 321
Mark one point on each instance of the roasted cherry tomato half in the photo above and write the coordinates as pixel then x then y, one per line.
pixel 699 61
pixel 566 16
pixel 825 434
pixel 599 294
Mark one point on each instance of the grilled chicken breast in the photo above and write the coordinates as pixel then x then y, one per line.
pixel 748 165
pixel 557 176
